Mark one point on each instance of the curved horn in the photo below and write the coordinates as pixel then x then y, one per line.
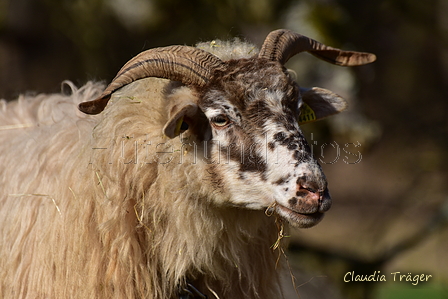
pixel 188 65
pixel 280 45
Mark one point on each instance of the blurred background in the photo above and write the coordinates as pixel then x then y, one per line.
pixel 385 158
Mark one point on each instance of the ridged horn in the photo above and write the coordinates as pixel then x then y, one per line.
pixel 188 65
pixel 280 45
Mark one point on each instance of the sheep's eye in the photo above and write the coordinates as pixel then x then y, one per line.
pixel 220 121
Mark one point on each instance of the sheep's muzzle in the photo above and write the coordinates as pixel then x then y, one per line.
pixel 307 208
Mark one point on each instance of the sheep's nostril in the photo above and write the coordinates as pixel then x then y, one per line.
pixel 312 196
pixel 310 189
pixel 307 184
pixel 309 192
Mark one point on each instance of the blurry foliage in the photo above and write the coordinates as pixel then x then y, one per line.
pixel 43 42
pixel 408 91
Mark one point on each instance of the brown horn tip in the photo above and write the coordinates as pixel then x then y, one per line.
pixel 280 45
pixel 345 58
pixel 94 107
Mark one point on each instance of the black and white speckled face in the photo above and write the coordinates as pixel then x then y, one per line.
pixel 263 158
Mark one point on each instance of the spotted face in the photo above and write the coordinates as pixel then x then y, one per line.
pixel 248 110
pixel 261 157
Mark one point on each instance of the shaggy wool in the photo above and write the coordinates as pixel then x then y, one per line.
pixel 91 208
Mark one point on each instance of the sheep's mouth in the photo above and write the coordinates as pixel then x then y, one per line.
pixel 296 219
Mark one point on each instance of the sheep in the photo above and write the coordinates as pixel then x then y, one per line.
pixel 175 181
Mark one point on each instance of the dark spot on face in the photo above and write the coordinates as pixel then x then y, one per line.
pixel 300 156
pixel 271 145
pixel 258 112
pixel 292 146
pixel 280 136
pixel 254 164
pixel 289 126
pixel 301 180
pixel 286 189
pixel 304 144
pixel 292 201
pixel 247 157
pixel 291 143
pixel 280 181
pixel 301 193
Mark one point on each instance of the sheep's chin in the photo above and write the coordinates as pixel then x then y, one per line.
pixel 296 219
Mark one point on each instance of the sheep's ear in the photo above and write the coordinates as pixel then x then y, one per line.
pixel 177 114
pixel 319 103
